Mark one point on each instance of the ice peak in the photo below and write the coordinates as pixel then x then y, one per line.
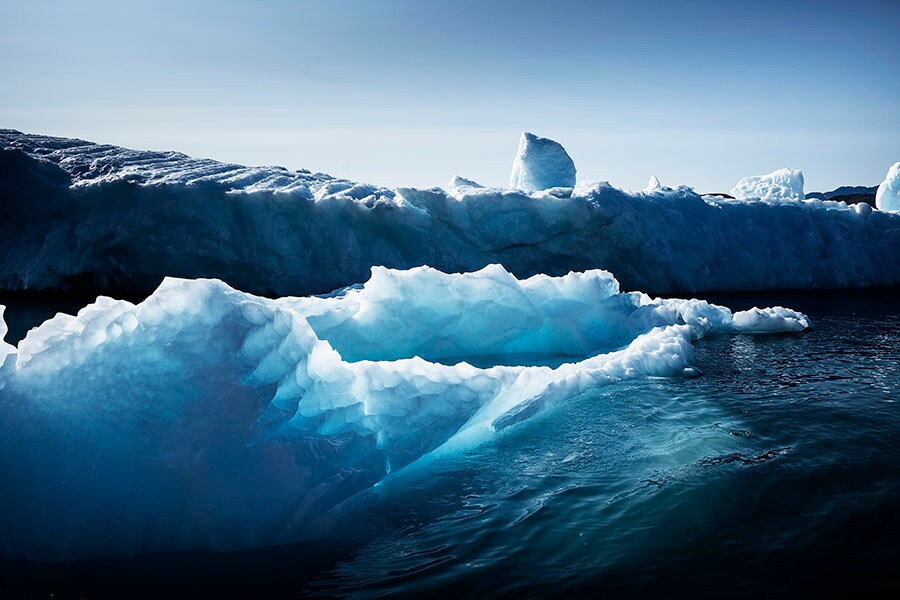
pixel 541 164
pixel 652 185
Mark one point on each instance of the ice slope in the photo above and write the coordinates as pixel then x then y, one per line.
pixel 77 214
pixel 783 184
pixel 205 417
pixel 541 164
pixel 888 195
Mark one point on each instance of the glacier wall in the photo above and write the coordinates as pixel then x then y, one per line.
pixel 205 417
pixel 78 214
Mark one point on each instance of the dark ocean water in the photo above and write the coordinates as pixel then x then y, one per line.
pixel 775 473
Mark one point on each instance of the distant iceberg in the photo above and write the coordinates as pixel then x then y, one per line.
pixel 541 164
pixel 888 195
pixel 78 214
pixel 205 417
pixel 783 184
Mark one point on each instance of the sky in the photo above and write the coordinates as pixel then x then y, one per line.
pixel 413 92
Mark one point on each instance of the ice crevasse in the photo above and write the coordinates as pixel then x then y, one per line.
pixel 265 416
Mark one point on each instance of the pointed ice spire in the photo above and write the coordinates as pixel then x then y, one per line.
pixel 653 185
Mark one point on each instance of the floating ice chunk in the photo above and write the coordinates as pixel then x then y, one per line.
pixel 888 195
pixel 783 184
pixel 769 320
pixel 130 420
pixel 541 164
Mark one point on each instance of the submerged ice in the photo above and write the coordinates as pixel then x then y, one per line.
pixel 264 415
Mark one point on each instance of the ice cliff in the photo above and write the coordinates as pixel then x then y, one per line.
pixel 78 214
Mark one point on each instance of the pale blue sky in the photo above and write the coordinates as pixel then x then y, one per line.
pixel 414 92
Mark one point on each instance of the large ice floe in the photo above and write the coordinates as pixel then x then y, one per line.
pixel 205 417
pixel 78 214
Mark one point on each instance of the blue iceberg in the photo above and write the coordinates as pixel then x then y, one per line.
pixel 205 417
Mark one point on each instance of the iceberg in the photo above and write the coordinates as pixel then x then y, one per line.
pixel 263 415
pixel 541 164
pixel 783 184
pixel 100 217
pixel 888 195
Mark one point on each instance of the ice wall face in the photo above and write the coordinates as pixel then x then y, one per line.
pixel 77 214
pixel 541 164
pixel 783 184
pixel 888 195
pixel 131 420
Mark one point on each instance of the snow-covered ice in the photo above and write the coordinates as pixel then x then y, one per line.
pixel 888 195
pixel 541 164
pixel 783 184
pixel 262 415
